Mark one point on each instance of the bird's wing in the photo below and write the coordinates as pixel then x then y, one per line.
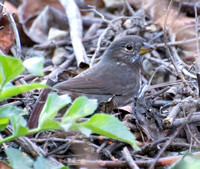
pixel 100 81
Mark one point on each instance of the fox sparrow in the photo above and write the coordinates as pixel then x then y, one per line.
pixel 117 74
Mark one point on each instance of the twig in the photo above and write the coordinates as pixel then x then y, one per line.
pixel 110 26
pixel 172 115
pixel 154 73
pixel 15 103
pixel 171 67
pixel 76 30
pixel 183 145
pixel 93 8
pixel 179 121
pixel 129 159
pixel 62 148
pixel 80 142
pixel 1 8
pixel 165 22
pixel 180 75
pixel 31 148
pixel 175 53
pixel 98 46
pixel 197 63
pixel 161 45
pixel 91 31
pixel 186 27
pixel 130 9
pixel 152 166
pixel 188 102
pixel 113 164
pixel 33 119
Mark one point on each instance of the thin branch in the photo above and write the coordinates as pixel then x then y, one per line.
pixel 76 30
pixel 129 159
pixel 180 75
pixel 93 8
pixel 170 67
pixel 1 8
pixel 100 40
pixel 197 63
pixel 130 9
pixel 152 166
pixel 161 45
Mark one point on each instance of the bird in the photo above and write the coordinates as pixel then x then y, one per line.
pixel 117 75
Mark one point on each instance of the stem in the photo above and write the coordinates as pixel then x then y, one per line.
pixel 14 136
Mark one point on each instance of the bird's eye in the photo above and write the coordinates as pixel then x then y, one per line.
pixel 129 47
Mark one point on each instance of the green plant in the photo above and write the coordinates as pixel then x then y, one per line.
pixel 18 160
pixel 188 161
pixel 10 68
pixel 99 123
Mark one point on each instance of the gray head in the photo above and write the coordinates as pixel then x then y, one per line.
pixel 127 49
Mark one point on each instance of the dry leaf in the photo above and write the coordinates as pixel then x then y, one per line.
pixel 6 35
pixel 37 17
pixel 177 24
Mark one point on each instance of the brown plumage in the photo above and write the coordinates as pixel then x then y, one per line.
pixel 117 73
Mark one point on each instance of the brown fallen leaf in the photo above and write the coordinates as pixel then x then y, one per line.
pixel 4 165
pixel 6 34
pixel 37 17
pixel 177 24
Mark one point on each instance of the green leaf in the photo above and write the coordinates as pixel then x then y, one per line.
pixel 10 67
pixel 42 163
pixel 1 79
pixel 48 124
pixel 6 112
pixel 18 160
pixel 19 125
pixel 82 129
pixel 35 65
pixel 81 107
pixel 15 90
pixel 110 126
pixel 3 123
pixel 188 161
pixel 53 104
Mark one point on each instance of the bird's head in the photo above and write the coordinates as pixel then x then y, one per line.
pixel 128 49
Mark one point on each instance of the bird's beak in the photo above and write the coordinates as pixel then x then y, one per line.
pixel 145 49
